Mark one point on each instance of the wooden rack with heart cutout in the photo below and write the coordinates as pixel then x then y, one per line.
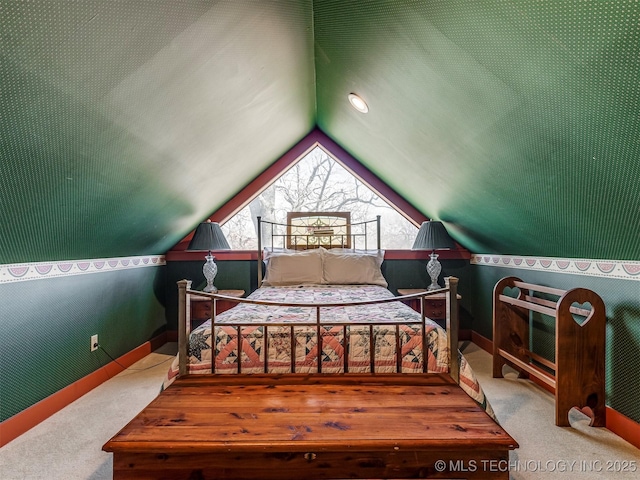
pixel 578 373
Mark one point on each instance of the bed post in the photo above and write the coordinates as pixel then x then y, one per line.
pixel 453 326
pixel 260 251
pixel 378 230
pixel 184 305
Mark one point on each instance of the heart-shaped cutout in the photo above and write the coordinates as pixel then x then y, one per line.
pixel 513 292
pixel 584 414
pixel 581 312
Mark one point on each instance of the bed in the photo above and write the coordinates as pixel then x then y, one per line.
pixel 320 360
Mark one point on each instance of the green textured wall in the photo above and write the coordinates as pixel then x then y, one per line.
pixel 45 331
pixel 621 298
pixel 124 123
pixel 515 122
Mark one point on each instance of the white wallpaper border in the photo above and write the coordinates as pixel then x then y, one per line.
pixel 618 269
pixel 22 272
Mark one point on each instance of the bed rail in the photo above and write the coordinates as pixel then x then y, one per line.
pixel 451 290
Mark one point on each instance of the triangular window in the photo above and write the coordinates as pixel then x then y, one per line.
pixel 318 183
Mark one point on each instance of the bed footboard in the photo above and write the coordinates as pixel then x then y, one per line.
pixel 452 328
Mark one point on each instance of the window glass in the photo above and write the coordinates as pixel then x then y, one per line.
pixel 317 183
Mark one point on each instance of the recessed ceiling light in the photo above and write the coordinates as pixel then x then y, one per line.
pixel 358 103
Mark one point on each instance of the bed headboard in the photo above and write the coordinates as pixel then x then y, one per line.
pixel 308 230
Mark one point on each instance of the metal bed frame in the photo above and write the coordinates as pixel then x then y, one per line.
pixel 334 230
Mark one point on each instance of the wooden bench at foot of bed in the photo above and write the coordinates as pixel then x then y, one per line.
pixel 313 427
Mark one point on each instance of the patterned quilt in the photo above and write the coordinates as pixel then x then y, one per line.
pixel 279 338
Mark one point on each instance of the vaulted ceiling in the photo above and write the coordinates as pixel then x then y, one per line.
pixel 123 124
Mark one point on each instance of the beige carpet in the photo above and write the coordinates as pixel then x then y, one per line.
pixel 527 412
pixel 68 445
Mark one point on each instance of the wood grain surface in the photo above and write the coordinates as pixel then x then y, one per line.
pixel 301 426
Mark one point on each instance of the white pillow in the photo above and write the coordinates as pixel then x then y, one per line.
pixel 303 268
pixel 375 252
pixel 353 268
pixel 267 252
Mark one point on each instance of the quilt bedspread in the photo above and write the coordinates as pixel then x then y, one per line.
pixel 389 319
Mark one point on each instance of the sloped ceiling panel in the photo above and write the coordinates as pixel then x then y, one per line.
pixel 515 122
pixel 124 123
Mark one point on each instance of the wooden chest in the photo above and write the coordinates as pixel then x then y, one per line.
pixel 311 427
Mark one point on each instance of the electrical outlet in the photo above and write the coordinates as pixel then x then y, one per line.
pixel 94 342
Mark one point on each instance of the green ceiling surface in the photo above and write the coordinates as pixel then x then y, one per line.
pixel 515 122
pixel 124 123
